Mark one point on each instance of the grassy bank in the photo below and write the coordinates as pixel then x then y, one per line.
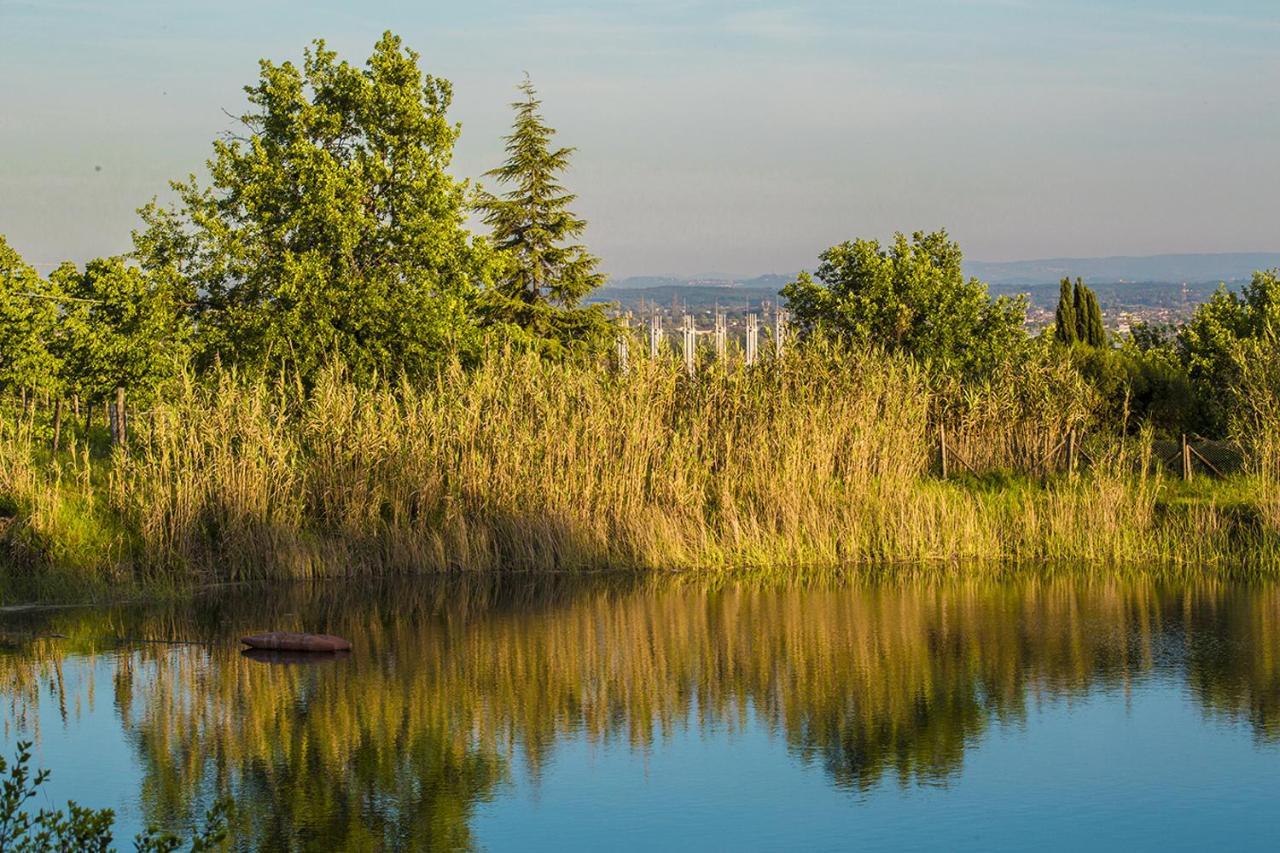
pixel 820 460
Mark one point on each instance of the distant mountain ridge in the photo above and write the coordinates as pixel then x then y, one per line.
pixel 1158 281
pixel 1148 269
pixel 1172 269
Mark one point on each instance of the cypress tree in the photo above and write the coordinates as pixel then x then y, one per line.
pixel 1065 316
pixel 1081 306
pixel 546 275
pixel 1097 331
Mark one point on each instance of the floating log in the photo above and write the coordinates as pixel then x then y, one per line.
pixel 289 641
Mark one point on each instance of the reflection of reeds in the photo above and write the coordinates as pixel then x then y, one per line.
pixel 449 683
pixel 820 459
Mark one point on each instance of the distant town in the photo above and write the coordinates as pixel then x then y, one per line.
pixel 1156 290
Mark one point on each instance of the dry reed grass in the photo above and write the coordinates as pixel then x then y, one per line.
pixel 821 459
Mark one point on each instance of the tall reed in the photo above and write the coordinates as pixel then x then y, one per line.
pixel 821 459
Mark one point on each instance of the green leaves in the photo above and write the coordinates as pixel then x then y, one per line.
pixel 910 297
pixel 29 309
pixel 1078 318
pixel 121 326
pixel 1226 339
pixel 332 230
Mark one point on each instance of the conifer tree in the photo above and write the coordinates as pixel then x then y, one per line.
pixel 537 296
pixel 1097 331
pixel 1065 316
pixel 1081 309
pixel 1079 316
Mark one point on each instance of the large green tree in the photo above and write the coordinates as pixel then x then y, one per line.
pixel 538 295
pixel 332 228
pixel 910 296
pixel 1226 339
pixel 29 319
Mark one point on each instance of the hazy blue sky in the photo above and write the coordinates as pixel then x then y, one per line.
pixel 713 136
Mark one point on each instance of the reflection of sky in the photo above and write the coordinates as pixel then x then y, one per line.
pixel 714 135
pixel 1147 770
pixel 90 759
pixel 1107 772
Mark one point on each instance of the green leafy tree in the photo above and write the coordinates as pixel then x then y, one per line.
pixel 29 318
pixel 538 294
pixel 912 297
pixel 1223 336
pixel 1065 330
pixel 332 229
pixel 121 327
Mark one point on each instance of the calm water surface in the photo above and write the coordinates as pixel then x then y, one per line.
pixel 616 714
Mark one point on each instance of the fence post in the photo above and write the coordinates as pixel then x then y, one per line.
pixel 622 352
pixel 779 330
pixel 1186 458
pixel 122 420
pixel 722 328
pixel 753 337
pixel 655 334
pixel 57 423
pixel 624 345
pixel 942 444
pixel 690 345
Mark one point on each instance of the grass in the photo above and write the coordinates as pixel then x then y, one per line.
pixel 820 461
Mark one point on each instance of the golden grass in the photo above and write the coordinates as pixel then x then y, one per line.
pixel 820 460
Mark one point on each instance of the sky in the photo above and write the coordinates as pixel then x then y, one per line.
pixel 716 137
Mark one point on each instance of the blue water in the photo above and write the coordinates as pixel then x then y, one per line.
pixel 1031 719
pixel 1143 772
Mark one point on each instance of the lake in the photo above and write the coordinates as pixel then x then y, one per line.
pixel 620 713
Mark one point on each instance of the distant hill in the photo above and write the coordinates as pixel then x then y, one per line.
pixel 648 282
pixel 1156 281
pixel 693 293
pixel 1174 269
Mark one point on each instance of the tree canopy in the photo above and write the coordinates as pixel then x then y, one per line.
pixel 1225 336
pixel 910 296
pixel 546 274
pixel 121 327
pixel 28 324
pixel 332 228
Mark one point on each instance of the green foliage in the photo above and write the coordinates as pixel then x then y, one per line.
pixel 78 828
pixel 1065 316
pixel 121 327
pixel 1078 318
pixel 333 230
pixel 545 277
pixel 1138 387
pixel 28 321
pixel 1223 337
pixel 910 297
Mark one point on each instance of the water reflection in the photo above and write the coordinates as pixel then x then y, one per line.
pixel 400 740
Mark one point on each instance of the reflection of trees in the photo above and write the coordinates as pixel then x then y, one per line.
pixel 402 739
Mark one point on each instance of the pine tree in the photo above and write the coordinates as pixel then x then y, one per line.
pixel 547 275
pixel 1065 316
